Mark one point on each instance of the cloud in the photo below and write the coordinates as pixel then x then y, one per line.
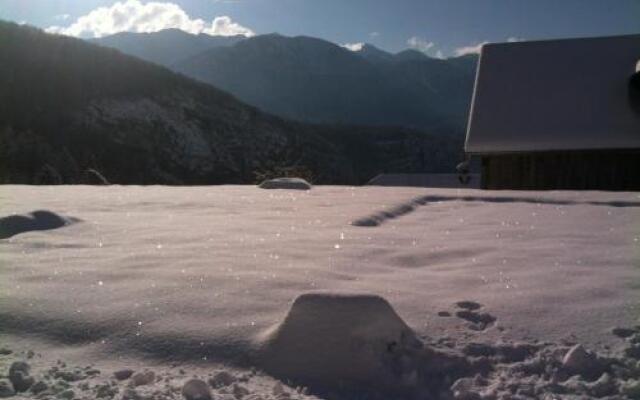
pixel 353 46
pixel 224 26
pixel 425 46
pixel 134 16
pixel 374 34
pixel 475 48
pixel 61 17
pixel 471 49
pixel 420 44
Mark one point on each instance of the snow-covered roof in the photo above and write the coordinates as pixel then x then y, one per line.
pixel 570 94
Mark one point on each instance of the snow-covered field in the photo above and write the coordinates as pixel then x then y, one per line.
pixel 203 282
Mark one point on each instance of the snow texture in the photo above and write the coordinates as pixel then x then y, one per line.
pixel 446 294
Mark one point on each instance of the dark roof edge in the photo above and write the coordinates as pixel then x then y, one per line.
pixel 585 150
pixel 579 38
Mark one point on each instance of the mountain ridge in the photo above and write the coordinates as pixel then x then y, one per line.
pixel 313 80
pixel 165 47
pixel 68 106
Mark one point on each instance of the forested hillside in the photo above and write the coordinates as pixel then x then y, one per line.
pixel 68 106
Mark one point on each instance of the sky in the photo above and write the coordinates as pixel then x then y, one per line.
pixel 438 27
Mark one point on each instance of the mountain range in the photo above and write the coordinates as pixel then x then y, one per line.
pixel 68 106
pixel 166 47
pixel 313 80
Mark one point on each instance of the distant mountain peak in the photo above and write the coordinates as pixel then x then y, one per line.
pixel 374 54
pixel 138 123
pixel 411 54
pixel 315 80
pixel 274 35
pixel 165 47
pixel 370 47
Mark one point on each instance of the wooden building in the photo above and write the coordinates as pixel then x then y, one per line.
pixel 558 114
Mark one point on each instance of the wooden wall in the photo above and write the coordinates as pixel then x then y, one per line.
pixel 572 170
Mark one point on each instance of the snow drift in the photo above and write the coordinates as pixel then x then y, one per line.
pixel 286 183
pixel 40 220
pixel 355 341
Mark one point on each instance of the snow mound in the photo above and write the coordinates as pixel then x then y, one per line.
pixel 40 220
pixel 336 339
pixel 286 183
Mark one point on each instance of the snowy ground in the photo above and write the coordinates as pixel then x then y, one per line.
pixel 193 281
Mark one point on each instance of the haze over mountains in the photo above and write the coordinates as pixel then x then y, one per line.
pixel 67 105
pixel 166 47
pixel 313 80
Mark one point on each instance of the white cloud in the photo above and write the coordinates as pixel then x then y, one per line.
pixel 374 34
pixel 471 49
pixel 61 17
pixel 353 46
pixel 475 48
pixel 224 26
pixel 425 46
pixel 420 44
pixel 134 16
